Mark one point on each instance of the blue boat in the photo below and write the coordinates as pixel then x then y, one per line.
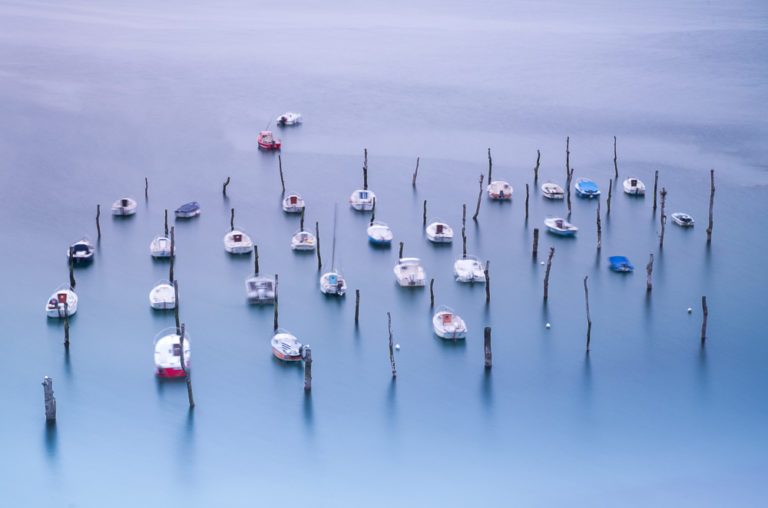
pixel 586 188
pixel 620 264
pixel 188 210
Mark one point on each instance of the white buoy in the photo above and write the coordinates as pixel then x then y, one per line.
pixel 689 310
pixel 542 262
pixel 397 346
pixel 547 325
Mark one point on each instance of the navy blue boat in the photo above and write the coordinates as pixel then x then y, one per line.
pixel 188 210
pixel 620 264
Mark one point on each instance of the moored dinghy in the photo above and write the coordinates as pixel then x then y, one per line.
pixel 560 226
pixel 237 242
pixel 293 203
pixel 634 187
pixel 379 233
pixel 188 210
pixel 161 247
pixel 499 190
pixel 63 301
pixel 682 219
pixel 586 188
pixel 288 118
pixel 168 353
pixel 439 232
pixel 286 346
pixel 410 273
pixel 260 290
pixel 620 264
pixel 303 241
pixel 448 325
pixel 162 296
pixel 267 141
pixel 362 200
pixel 552 191
pixel 82 251
pixel 124 206
pixel 332 283
pixel 469 269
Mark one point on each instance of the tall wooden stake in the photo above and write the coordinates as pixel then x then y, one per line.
pixel 176 307
pixel 589 320
pixel 401 251
pixel 599 227
pixel 256 259
pixel 415 173
pixel 526 201
pixel 187 378
pixel 317 240
pixel 535 241
pixel 275 327
pixel 373 211
pixel 546 274
pixel 365 169
pixel 391 349
pixel 649 272
pixel 224 187
pixel 280 165
pixel 479 198
pixel 432 293
pixel 536 169
pixel 49 400
pixel 490 166
pixel 425 213
pixel 711 202
pixel 610 190
pixel 615 165
pixel 72 281
pixel 98 226
pixel 146 188
pixel 487 347
pixel 232 220
pixel 173 256
pixel 487 282
pixel 66 325
pixel 568 172
pixel 357 306
pixel 464 230
pixel 663 217
pixel 166 223
pixel 655 186
pixel 301 220
pixel 307 368
pixel 705 314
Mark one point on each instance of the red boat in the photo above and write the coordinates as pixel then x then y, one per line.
pixel 267 141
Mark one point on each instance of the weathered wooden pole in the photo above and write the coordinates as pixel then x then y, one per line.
pixel 146 188
pixel 166 223
pixel 425 213
pixel 479 198
pixel 663 217
pixel 546 274
pixel 401 251
pixel 317 240
pixel 536 168
pixel 615 165
pixel 173 256
pixel 415 173
pixel 98 226
pixel 301 220
pixel 72 280
pixel 176 307
pixel 49 400
pixel 655 186
pixel 464 230
pixel 568 172
pixel 187 378
pixel 432 293
pixel 487 347
pixel 487 282
pixel 357 306
pixel 526 201
pixel 66 325
pixel 373 211
pixel 705 314
pixel 232 220
pixel 275 327
pixel 610 191
pixel 307 368
pixel 490 166
pixel 589 320
pixel 256 259
pixel 535 241
pixel 391 348
pixel 365 169
pixel 711 202
pixel 649 272
pixel 599 227
pixel 224 187
pixel 280 165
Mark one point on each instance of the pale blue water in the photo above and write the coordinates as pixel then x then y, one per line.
pixel 96 96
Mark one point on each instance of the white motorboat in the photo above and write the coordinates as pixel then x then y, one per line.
pixel 682 219
pixel 499 190
pixel 362 200
pixel 293 203
pixel 260 290
pixel 124 206
pixel 286 346
pixel 469 269
pixel 62 302
pixel 379 234
pixel 332 283
pixel 162 296
pixel 82 251
pixel 448 325
pixel 552 191
pixel 439 232
pixel 410 273
pixel 303 241
pixel 560 226
pixel 289 118
pixel 237 242
pixel 168 353
pixel 634 187
pixel 161 247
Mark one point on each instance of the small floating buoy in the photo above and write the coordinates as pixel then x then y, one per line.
pixel 542 262
pixel 689 310
pixel 547 325
pixel 397 346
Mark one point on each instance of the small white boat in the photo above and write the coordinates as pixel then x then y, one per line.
pixel 552 191
pixel 260 290
pixel 500 190
pixel 168 353
pixel 634 187
pixel 409 273
pixel 303 241
pixel 237 242
pixel 439 232
pixel 161 247
pixel 448 325
pixel 286 346
pixel 362 200
pixel 293 203
pixel 379 234
pixel 469 269
pixel 332 283
pixel 560 226
pixel 188 210
pixel 63 301
pixel 682 219
pixel 162 296
pixel 289 118
pixel 82 251
pixel 124 206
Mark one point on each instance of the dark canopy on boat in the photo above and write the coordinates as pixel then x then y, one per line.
pixel 189 207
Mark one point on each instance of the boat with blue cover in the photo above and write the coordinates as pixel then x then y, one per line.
pixel 586 188
pixel 620 264
pixel 188 210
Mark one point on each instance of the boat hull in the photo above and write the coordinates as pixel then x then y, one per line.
pixel 169 372
pixel 587 195
pixel 286 358
pixel 239 249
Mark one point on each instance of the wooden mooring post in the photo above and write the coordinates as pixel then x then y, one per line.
pixel 424 223
pixel 166 224
pixel 487 281
pixel 464 230
pixel 365 169
pixel 176 306
pixel 301 219
pixel 599 227
pixel 415 173
pixel 526 201
pixel 224 187
pixel 535 242
pixel 568 172
pixel 655 187
pixel 307 368
pixel 536 168
pixel 317 241
pixel 432 293
pixel 280 165
pixel 256 259
pixel 400 255
pixel 373 211
pixel 232 220
pixel 66 325
pixel 589 320
pixel 357 306
pixel 490 166
pixel 72 281
pixel 98 225
pixel 711 202
pixel 391 347
pixel 649 272
pixel 275 326
pixel 173 255
pixel 146 188
pixel 705 315
pixel 487 347
pixel 187 377
pixel 49 400
pixel 479 198
pixel 610 192
pixel 546 274
pixel 663 216
pixel 615 164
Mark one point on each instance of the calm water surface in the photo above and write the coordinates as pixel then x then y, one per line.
pixel 95 96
